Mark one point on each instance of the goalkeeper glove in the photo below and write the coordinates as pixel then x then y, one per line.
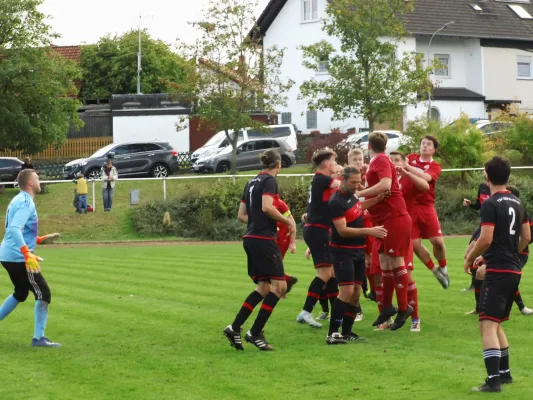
pixel 48 239
pixel 31 260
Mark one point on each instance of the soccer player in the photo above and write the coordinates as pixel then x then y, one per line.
pixel 16 255
pixel 410 185
pixel 425 220
pixel 316 233
pixel 347 253
pixel 505 232
pixel 392 214
pixel 265 264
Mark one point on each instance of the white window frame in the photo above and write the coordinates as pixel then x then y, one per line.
pixel 323 67
pixel 524 60
pixel 440 55
pixel 309 115
pixel 313 11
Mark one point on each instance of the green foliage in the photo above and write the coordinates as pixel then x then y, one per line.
pixel 518 138
pixel 366 77
pixel 37 85
pixel 110 66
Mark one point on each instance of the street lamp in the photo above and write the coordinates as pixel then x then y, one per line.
pixel 139 55
pixel 429 71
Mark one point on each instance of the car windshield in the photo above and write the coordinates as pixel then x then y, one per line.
pixel 103 151
pixel 215 139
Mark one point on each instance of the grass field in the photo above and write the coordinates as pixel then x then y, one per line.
pixel 146 323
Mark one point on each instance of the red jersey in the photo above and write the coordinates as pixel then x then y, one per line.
pixel 283 208
pixel 409 191
pixel 432 168
pixel 394 205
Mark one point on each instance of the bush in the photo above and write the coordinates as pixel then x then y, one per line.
pixel 334 141
pixel 517 139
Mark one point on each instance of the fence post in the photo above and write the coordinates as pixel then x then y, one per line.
pixel 165 189
pixel 302 178
pixel 94 197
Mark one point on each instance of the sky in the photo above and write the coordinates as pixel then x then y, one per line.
pixel 85 21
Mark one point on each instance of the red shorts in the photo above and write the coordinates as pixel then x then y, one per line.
pixel 398 239
pixel 409 261
pixel 425 222
pixel 283 247
pixel 375 268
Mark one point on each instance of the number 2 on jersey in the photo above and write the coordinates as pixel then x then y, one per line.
pixel 513 216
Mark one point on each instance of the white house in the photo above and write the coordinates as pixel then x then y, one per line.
pixel 487 54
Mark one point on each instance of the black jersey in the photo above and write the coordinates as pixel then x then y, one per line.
pixel 507 214
pixel 483 193
pixel 317 204
pixel 526 250
pixel 260 226
pixel 344 205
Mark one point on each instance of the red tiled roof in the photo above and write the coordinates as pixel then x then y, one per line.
pixel 69 52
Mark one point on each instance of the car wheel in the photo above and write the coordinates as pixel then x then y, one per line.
pixel 285 162
pixel 223 167
pixel 93 173
pixel 160 171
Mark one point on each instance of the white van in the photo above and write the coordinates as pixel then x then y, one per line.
pixel 219 140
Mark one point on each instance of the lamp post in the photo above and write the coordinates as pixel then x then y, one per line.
pixel 429 72
pixel 139 60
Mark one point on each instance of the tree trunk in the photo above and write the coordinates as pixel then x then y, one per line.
pixel 234 142
pixel 371 123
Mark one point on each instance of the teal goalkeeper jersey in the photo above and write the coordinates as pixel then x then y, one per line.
pixel 21 228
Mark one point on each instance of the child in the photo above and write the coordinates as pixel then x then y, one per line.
pixel 82 191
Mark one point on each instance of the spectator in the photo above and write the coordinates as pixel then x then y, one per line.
pixel 109 177
pixel 82 191
pixel 27 164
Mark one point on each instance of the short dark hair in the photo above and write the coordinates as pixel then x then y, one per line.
pixel 322 155
pixel 24 177
pixel 397 153
pixel 349 171
pixel 433 139
pixel 378 141
pixel 498 170
pixel 514 190
pixel 270 159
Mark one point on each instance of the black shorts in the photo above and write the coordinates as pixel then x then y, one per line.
pixel 523 260
pixel 476 234
pixel 497 296
pixel 264 260
pixel 317 239
pixel 349 266
pixel 25 282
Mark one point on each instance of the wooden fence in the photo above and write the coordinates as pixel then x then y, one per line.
pixel 72 149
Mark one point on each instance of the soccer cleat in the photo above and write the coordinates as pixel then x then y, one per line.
pixel 323 316
pixel 292 281
pixel 359 317
pixel 506 379
pixel 468 289
pixel 415 326
pixel 401 318
pixel 353 337
pixel 473 312
pixel 258 341
pixel 44 342
pixel 385 325
pixel 488 388
pixel 336 338
pixel 526 311
pixel 306 318
pixel 443 279
pixel 386 313
pixel 234 337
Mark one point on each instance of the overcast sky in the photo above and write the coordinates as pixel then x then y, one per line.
pixel 85 21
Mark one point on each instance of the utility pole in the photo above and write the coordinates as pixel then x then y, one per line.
pixel 139 56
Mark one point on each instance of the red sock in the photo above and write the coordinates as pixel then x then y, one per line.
pixel 388 288
pixel 401 281
pixel 371 283
pixel 412 298
pixel 379 297
pixel 442 263
pixel 430 264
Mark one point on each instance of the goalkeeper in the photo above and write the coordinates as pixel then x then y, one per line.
pixel 16 255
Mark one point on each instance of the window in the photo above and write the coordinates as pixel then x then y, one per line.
pixel 263 145
pixel 286 118
pixel 323 66
pixel 309 10
pixel 444 68
pixel 136 148
pixel 122 150
pixel 392 136
pixel 434 115
pixel 520 11
pixel 281 132
pixel 524 67
pixel 151 147
pixel 255 134
pixel 312 119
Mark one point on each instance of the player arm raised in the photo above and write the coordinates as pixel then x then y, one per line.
pixel 419 173
pixel 419 182
pixel 345 231
pixel 383 186
pixel 373 201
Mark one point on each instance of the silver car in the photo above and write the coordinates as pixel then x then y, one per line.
pixel 248 156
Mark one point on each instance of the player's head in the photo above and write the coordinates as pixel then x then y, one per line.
pixel 514 190
pixel 325 159
pixel 351 179
pixel 377 142
pixel 428 145
pixel 397 158
pixel 28 181
pixel 356 158
pixel 338 171
pixel 271 161
pixel 497 171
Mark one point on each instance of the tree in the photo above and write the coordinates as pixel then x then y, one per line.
pixel 233 75
pixel 110 66
pixel 366 77
pixel 37 105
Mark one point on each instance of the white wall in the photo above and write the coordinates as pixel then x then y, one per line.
pixel 474 65
pixel 151 128
pixel 449 110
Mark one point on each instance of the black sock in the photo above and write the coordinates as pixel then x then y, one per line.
pixel 264 314
pixel 313 294
pixel 365 286
pixel 518 300
pixel 246 310
pixel 324 301
pixel 350 312
pixel 477 292
pixel 492 363
pixel 333 291
pixel 337 316
pixel 504 362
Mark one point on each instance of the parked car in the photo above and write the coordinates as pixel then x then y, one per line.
pixel 490 128
pixel 396 139
pixel 10 168
pixel 248 156
pixel 220 141
pixel 157 159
